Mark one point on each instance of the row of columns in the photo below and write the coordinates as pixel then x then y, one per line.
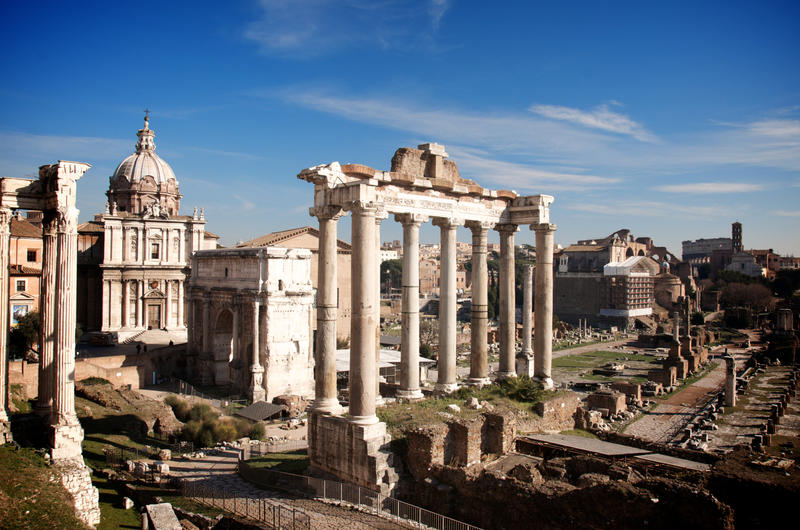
pixel 365 303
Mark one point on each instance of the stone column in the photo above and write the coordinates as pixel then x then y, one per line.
pixel 325 393
pixel 106 304
pixel 126 303
pixel 527 310
pixel 362 322
pixel 66 433
pixel 409 345
pixel 380 215
pixel 508 321
pixel 180 323
pixel 730 381
pixel 191 336
pixel 139 296
pixel 256 391
pixel 479 330
pixel 446 364
pixel 168 304
pixel 206 364
pixel 47 310
pixel 676 333
pixel 543 310
pixel 5 236
pixel 237 354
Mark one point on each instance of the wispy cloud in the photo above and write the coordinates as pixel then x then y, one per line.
pixel 220 152
pixel 601 117
pixel 311 28
pixel 649 209
pixel 245 204
pixel 711 187
pixel 787 213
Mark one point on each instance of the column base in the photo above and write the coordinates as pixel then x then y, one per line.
pixel 524 365
pixel 410 395
pixel 65 441
pixel 479 381
pixel 5 432
pixel 445 388
pixel 257 394
pixel 501 376
pixel 546 382
pixel 328 406
pixel 364 420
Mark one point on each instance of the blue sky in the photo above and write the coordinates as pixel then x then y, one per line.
pixel 672 119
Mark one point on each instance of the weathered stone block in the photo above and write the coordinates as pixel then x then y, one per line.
pixel 558 413
pixel 500 431
pixel 632 390
pixel 611 400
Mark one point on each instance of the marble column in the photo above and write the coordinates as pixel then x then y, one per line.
pixel 362 323
pixel 168 305
pixel 181 324
pixel 5 236
pixel 66 433
pixel 325 392
pixel 527 310
pixel 543 310
pixel 106 305
pixel 256 391
pixel 676 330
pixel 409 344
pixel 479 322
pixel 47 309
pixel 446 364
pixel 139 296
pixel 730 381
pixel 126 303
pixel 508 321
pixel 380 215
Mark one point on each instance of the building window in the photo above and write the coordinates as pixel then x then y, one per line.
pixel 154 250
pixel 20 286
pixel 32 256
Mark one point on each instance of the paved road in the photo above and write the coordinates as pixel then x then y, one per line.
pixel 219 472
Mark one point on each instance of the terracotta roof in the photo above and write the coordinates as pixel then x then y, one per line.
pixel 22 228
pixel 284 235
pixel 91 227
pixel 23 270
pixel 210 234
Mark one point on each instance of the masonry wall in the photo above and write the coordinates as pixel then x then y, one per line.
pixel 577 295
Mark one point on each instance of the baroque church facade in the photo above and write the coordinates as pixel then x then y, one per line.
pixel 134 259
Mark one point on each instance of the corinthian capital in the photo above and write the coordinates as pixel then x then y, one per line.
pixel 410 218
pixel 326 212
pixel 361 207
pixel 5 221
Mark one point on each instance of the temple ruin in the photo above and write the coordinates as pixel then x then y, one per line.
pixel 422 185
pixel 53 194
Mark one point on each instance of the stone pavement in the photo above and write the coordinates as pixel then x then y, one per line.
pixel 666 418
pixel 219 472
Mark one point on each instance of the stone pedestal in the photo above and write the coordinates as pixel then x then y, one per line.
pixel 256 392
pixel 353 452
pixel 524 365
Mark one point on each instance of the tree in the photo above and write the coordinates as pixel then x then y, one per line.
pixel 25 334
pixel 392 274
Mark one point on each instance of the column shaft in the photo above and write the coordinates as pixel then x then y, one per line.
pixel 139 296
pixel 543 311
pixel 325 399
pixel 180 322
pixel 362 324
pixel 126 304
pixel 380 216
pixel 47 310
pixel 257 390
pixel 5 236
pixel 168 305
pixel 527 303
pixel 447 306
pixel 508 321
pixel 409 345
pixel 478 359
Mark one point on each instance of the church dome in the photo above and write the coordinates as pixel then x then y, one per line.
pixel 144 162
pixel 143 183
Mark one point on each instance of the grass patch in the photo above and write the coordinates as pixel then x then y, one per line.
pixel 292 462
pixel 21 402
pixel 580 432
pixel 686 383
pixel 31 495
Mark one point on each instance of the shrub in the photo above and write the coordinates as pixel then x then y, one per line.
pixel 89 381
pixel 203 412
pixel 225 431
pixel 180 407
pixel 257 431
pixel 191 430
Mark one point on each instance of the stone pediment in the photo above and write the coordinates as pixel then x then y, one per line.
pixel 21 297
pixel 154 294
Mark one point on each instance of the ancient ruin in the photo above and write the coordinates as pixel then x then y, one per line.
pixel 421 185
pixel 54 194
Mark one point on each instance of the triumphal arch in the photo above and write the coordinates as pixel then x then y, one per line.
pixel 422 185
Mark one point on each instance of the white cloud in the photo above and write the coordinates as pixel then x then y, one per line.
pixel 319 27
pixel 786 213
pixel 711 187
pixel 789 129
pixel 245 204
pixel 598 118
pixel 648 209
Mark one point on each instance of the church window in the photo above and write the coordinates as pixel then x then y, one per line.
pixel 155 251
pixel 32 256
pixel 20 285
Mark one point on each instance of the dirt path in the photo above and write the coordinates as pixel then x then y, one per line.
pixel 664 420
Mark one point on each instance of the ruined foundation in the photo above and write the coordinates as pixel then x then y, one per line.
pixel 77 480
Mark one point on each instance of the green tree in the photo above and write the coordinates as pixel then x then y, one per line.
pixel 25 334
pixel 392 274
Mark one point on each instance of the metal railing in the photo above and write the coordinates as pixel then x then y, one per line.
pixel 269 513
pixel 339 492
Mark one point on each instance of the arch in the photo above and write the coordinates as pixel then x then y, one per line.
pixel 629 252
pixel 640 253
pixel 223 347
